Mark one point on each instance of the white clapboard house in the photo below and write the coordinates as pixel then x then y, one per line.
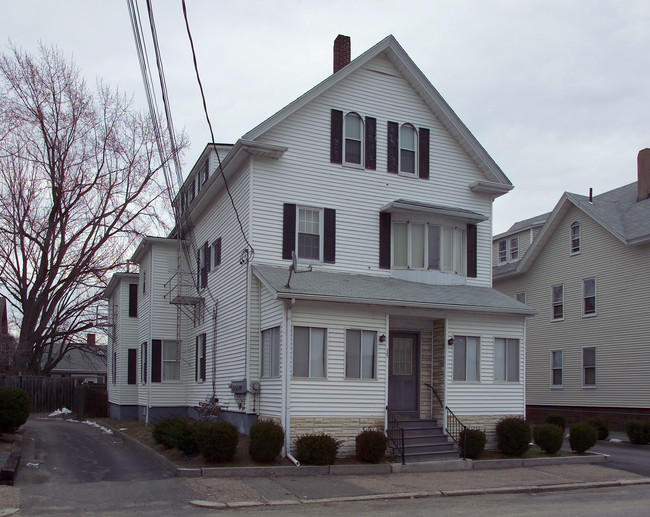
pixel 583 266
pixel 387 315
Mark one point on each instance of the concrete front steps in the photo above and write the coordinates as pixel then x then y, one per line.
pixel 425 440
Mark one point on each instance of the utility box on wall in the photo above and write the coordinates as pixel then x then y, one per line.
pixel 238 387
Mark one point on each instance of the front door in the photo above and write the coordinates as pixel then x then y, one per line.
pixel 403 374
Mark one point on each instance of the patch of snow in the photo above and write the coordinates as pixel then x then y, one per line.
pixel 100 427
pixel 615 440
pixel 62 411
pixel 32 465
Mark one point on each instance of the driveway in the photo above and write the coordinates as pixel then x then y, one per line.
pixel 71 468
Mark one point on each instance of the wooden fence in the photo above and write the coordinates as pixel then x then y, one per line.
pixel 48 394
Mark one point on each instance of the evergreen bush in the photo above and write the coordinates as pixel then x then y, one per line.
pixel 513 436
pixel 472 441
pixel 266 439
pixel 549 437
pixel 217 441
pixel 601 425
pixel 14 408
pixel 317 449
pixel 177 432
pixel 371 445
pixel 582 437
pixel 557 420
pixel 638 432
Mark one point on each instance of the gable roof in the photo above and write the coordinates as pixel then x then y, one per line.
pixel 497 182
pixel 385 291
pixel 526 224
pixel 617 210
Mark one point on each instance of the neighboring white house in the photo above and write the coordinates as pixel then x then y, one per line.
pixel 385 198
pixel 588 347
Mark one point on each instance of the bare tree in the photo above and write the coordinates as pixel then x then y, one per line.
pixel 80 181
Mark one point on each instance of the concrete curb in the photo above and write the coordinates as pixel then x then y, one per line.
pixel 431 494
pixel 10 467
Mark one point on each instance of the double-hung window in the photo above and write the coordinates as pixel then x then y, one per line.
pixel 556 368
pixel 575 238
pixel 503 251
pixel 360 354
pixel 309 352
pixel 466 358
pixel 309 233
pixel 353 142
pixel 171 361
pixel 589 367
pixel 509 249
pixel 506 359
pixel 514 248
pixel 199 355
pixel 271 352
pixel 557 294
pixel 407 149
pixel 589 297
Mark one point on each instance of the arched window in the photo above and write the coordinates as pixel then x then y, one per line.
pixel 407 149
pixel 353 143
pixel 575 238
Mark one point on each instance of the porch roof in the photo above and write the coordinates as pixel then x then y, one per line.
pixel 381 290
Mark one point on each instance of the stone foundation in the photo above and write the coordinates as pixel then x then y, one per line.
pixel 486 423
pixel 343 429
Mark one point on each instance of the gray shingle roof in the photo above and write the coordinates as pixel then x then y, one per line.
pixel 381 290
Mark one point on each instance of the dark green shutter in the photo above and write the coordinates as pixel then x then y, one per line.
pixel 384 240
pixel 423 148
pixel 393 147
pixel 336 137
pixel 471 251
pixel 371 143
pixel 288 230
pixel 156 360
pixel 329 236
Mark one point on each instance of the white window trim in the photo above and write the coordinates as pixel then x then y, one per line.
pixel 325 347
pixel 271 376
pixel 510 239
pixel 506 381
pixel 321 232
pixel 561 368
pixel 362 142
pixel 553 318
pixel 459 256
pixel 375 353
pixel 163 361
pixel 577 225
pixel 595 313
pixel 507 250
pixel 478 358
pixel 595 384
pixel 415 173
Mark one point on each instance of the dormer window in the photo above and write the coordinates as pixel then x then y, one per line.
pixel 353 143
pixel 206 170
pixel 407 149
pixel 575 238
pixel 508 249
pixel 514 248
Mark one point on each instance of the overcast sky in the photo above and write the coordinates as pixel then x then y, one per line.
pixel 558 92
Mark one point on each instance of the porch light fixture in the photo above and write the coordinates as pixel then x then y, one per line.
pixel 451 341
pixel 382 338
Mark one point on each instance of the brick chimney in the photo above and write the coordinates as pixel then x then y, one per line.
pixel 341 52
pixel 643 166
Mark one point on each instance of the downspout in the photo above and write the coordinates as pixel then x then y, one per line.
pixel 287 396
pixel 386 370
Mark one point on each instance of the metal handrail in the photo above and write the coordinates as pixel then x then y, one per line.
pixel 455 428
pixel 395 433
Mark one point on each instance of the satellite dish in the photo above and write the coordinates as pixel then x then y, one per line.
pixel 293 268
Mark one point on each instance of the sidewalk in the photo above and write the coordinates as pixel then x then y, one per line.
pixel 291 490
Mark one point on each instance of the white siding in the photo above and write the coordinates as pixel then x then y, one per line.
pixel 486 396
pixel 305 175
pixel 619 331
pixel 272 315
pixel 337 396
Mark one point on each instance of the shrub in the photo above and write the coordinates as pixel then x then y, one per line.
pixel 472 441
pixel 177 432
pixel 317 449
pixel 557 420
pixel 14 409
pixel 549 437
pixel 265 441
pixel 638 432
pixel 601 425
pixel 582 437
pixel 217 441
pixel 513 436
pixel 371 445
